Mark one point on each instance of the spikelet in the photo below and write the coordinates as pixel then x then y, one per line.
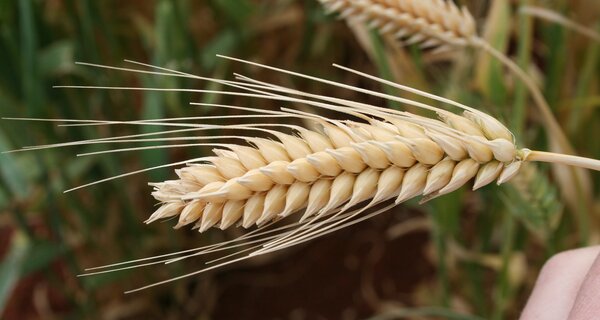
pixel 326 176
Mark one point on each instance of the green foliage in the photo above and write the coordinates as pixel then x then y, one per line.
pixel 535 201
pixel 11 268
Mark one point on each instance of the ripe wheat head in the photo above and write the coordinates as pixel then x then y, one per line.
pixel 326 175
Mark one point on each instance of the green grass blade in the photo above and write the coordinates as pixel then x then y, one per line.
pixel 11 267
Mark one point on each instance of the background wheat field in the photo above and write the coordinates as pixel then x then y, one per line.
pixel 467 255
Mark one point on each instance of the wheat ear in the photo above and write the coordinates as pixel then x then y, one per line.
pixel 339 174
pixel 341 165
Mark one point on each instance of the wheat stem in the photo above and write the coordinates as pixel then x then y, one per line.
pixel 551 157
pixel 555 17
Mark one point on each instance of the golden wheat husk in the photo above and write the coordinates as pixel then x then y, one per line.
pixel 325 175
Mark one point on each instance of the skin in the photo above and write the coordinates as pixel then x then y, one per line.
pixel 568 287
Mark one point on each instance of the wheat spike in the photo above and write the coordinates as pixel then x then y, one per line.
pixel 278 175
pixel 344 162
pixel 328 175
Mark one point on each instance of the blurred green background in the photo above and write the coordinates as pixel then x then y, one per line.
pixel 468 255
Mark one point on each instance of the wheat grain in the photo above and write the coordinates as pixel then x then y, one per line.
pixel 329 176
